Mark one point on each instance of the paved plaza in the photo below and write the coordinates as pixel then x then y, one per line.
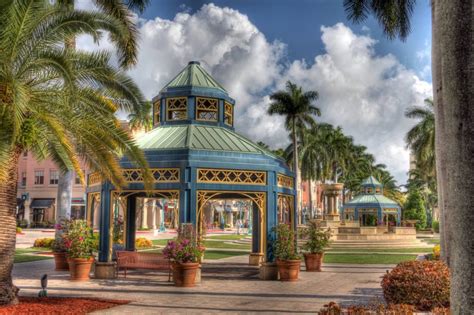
pixel 228 285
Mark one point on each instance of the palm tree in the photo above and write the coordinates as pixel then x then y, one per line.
pixel 421 138
pixel 142 119
pixel 119 14
pixel 453 85
pixel 56 103
pixel 296 106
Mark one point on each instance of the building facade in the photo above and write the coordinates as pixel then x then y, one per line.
pixel 38 189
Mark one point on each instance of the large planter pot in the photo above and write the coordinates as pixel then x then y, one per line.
pixel 313 262
pixel 80 268
pixel 184 274
pixel 60 261
pixel 289 270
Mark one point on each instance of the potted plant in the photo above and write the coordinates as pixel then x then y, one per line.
pixel 59 248
pixel 317 240
pixel 185 255
pixel 79 243
pixel 287 258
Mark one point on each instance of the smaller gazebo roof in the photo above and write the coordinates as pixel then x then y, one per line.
pixel 371 181
pixel 371 199
pixel 193 76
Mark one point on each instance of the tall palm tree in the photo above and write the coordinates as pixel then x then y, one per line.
pixel 421 138
pixel 453 75
pixel 58 104
pixel 296 105
pixel 120 15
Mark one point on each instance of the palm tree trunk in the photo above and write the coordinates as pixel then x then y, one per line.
pixel 453 30
pixel 64 196
pixel 8 191
pixel 295 169
pixel 439 121
pixel 310 199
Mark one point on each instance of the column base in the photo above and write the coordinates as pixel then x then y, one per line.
pixel 255 259
pixel 268 271
pixel 105 270
pixel 332 217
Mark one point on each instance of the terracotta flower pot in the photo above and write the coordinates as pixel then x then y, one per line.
pixel 80 268
pixel 60 261
pixel 184 274
pixel 313 262
pixel 289 270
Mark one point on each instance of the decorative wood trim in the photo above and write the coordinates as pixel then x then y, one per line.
pixel 237 177
pixel 285 181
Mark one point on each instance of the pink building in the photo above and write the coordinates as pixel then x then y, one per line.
pixel 37 192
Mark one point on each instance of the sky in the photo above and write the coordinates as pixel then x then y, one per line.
pixel 365 81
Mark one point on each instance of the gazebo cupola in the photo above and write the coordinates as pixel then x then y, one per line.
pixel 193 96
pixel 371 186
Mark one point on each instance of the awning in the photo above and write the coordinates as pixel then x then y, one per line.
pixel 78 202
pixel 41 203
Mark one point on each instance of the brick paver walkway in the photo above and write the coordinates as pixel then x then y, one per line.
pixel 228 285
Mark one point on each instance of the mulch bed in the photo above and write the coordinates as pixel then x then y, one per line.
pixel 57 305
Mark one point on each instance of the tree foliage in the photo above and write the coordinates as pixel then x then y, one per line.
pixel 414 209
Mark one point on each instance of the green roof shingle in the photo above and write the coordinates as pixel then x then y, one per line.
pixel 194 75
pixel 198 137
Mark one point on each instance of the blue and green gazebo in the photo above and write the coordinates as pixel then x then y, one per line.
pixel 195 156
pixel 371 204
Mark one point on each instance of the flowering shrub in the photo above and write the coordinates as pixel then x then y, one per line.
pixel 316 238
pixel 79 240
pixel 43 242
pixel 284 247
pixel 61 230
pixel 436 252
pixel 143 242
pixel 19 230
pixel 183 250
pixel 424 284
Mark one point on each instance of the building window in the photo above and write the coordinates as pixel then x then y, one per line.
pixel 228 114
pixel 39 177
pixel 23 179
pixel 377 190
pixel 53 177
pixel 156 112
pixel 25 154
pixel 207 109
pixel 370 190
pixel 176 108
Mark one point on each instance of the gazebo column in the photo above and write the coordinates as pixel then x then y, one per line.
pixel 131 223
pixel 104 223
pixel 257 252
pixel 144 224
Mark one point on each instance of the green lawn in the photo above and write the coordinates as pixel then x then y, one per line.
pixel 226 237
pixel 217 254
pixel 366 259
pixel 215 243
pixel 381 250
pixel 22 256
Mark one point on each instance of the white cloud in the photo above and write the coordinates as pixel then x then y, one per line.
pixel 364 93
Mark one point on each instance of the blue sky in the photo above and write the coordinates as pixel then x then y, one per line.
pixel 365 81
pixel 297 22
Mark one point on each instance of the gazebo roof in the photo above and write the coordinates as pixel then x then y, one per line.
pixel 193 75
pixel 198 137
pixel 370 199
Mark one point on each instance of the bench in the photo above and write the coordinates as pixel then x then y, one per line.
pixel 139 260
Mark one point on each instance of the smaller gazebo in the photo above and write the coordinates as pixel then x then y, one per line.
pixel 370 207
